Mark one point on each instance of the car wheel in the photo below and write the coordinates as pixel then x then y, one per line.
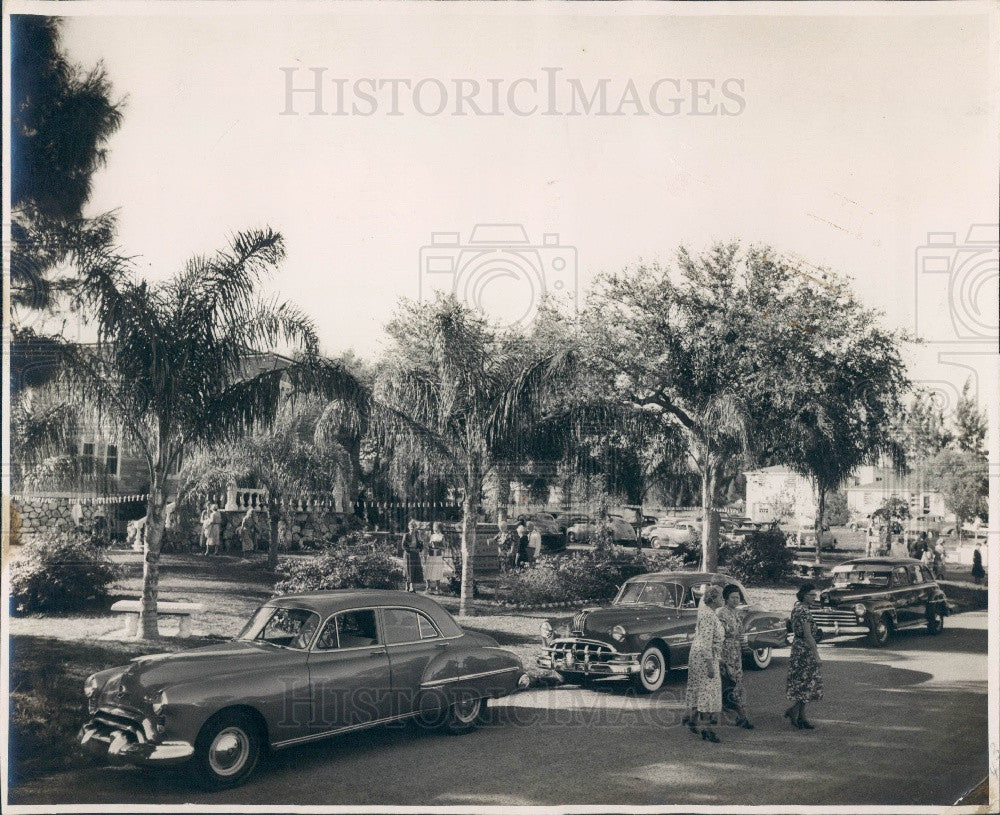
pixel 571 537
pixel 935 622
pixel 653 667
pixel 655 543
pixel 879 631
pixel 464 715
pixel 227 750
pixel 759 658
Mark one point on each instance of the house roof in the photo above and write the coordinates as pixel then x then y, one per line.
pixel 774 469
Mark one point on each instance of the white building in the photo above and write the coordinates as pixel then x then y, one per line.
pixel 778 492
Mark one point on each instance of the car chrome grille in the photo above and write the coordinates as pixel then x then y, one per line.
pixel 582 650
pixel 106 723
pixel 829 616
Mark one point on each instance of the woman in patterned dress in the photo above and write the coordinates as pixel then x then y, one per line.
pixel 732 654
pixel 704 687
pixel 804 681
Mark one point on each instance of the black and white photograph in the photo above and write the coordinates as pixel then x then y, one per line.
pixel 640 359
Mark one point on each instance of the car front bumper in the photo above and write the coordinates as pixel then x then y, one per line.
pixel 133 743
pixel 837 629
pixel 587 657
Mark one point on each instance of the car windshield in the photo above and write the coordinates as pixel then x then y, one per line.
pixel 660 594
pixel 285 627
pixel 861 577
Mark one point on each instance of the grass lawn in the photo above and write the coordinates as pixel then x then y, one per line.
pixel 52 654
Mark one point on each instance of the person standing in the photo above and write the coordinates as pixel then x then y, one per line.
pixel 534 540
pixel 247 530
pixel 412 547
pixel 734 695
pixel 434 569
pixel 522 542
pixel 978 572
pixel 939 559
pixel 805 684
pixel 506 547
pixel 212 526
pixel 704 687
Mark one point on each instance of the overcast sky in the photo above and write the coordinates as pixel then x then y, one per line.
pixel 843 140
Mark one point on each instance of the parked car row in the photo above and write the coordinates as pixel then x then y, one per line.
pixel 317 664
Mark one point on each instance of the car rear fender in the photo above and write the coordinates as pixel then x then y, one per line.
pixel 460 672
pixel 765 630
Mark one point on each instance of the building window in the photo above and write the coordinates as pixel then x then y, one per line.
pixel 87 458
pixel 927 504
pixel 111 460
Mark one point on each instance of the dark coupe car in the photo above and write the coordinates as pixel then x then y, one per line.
pixel 647 631
pixel 877 596
pixel 305 667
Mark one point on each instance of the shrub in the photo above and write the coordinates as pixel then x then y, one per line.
pixel 61 574
pixel 760 557
pixel 348 564
pixel 594 575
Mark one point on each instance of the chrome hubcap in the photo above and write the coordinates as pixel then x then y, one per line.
pixel 467 710
pixel 652 669
pixel 229 751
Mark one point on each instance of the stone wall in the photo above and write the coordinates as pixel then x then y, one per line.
pixel 42 515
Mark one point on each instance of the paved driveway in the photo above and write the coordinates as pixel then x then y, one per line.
pixel 903 725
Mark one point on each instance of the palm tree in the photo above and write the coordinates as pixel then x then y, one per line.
pixel 169 368
pixel 453 396
pixel 292 456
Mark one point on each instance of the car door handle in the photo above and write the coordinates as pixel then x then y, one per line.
pixel 441 645
pixel 376 653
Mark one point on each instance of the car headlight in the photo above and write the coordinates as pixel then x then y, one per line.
pixel 546 629
pixel 860 610
pixel 618 633
pixel 91 686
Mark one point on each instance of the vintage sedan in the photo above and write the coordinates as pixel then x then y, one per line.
pixel 305 667
pixel 621 531
pixel 877 596
pixel 648 629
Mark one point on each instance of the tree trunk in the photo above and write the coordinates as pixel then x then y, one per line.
pixel 465 607
pixel 148 627
pixel 503 494
pixel 709 521
pixel 272 541
pixel 820 513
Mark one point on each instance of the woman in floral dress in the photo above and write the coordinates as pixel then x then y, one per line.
pixel 732 654
pixel 704 687
pixel 804 681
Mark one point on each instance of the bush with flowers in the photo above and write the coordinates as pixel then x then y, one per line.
pixel 351 563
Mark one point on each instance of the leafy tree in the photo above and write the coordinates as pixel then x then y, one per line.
pixel 169 368
pixel 731 349
pixel 61 119
pixel 970 424
pixel 963 477
pixel 451 395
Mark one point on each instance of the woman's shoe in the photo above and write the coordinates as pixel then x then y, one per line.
pixel 746 724
pixel 802 723
pixel 709 735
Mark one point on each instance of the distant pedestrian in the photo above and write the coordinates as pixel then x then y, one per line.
pixel 704 686
pixel 434 567
pixel 247 531
pixel 534 540
pixel 506 547
pixel 978 572
pixel 212 527
pixel 734 692
pixel 805 684
pixel 412 547
pixel 522 542
pixel 939 560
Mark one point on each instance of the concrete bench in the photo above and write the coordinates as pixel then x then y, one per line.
pixel 182 611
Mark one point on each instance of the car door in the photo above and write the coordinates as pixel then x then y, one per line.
pixel 349 673
pixel 905 597
pixel 679 634
pixel 412 642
